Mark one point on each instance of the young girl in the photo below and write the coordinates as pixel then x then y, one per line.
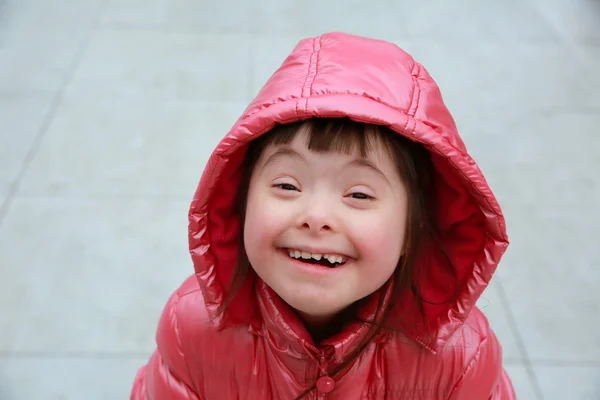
pixel 341 236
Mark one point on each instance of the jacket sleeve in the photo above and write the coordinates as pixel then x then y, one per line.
pixel 484 377
pixel 167 375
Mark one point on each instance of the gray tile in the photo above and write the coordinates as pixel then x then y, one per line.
pixel 183 15
pixel 67 378
pixel 44 16
pixel 125 146
pixel 165 66
pixel 548 159
pixel 577 20
pixel 89 275
pixel 314 17
pixel 494 310
pixel 569 382
pixel 550 276
pixel 589 56
pixel 20 119
pixel 36 60
pixel 476 19
pixel 518 374
pixel 502 78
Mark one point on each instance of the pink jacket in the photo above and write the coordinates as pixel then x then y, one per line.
pixel 258 349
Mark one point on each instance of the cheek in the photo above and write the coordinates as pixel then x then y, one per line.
pixel 381 237
pixel 261 227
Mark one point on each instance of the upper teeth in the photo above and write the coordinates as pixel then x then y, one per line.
pixel 332 258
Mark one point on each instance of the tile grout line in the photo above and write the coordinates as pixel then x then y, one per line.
pixel 49 117
pixel 520 342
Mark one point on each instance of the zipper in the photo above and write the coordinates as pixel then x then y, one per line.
pixel 322 372
pixel 322 365
pixel 321 358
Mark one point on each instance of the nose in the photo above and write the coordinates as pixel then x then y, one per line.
pixel 318 216
pixel 315 225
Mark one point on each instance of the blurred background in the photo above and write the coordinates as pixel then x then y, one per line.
pixel 109 110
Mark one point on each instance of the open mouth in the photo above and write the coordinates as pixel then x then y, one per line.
pixel 325 260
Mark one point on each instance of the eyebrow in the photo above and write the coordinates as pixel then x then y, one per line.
pixel 361 162
pixel 288 152
pixel 284 152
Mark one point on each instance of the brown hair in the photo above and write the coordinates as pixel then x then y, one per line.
pixel 416 170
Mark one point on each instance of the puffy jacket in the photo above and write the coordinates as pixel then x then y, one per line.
pixel 258 349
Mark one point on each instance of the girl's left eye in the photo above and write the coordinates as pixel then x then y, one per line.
pixel 286 186
pixel 361 196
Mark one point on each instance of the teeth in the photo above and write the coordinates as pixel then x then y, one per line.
pixel 306 256
pixel 333 259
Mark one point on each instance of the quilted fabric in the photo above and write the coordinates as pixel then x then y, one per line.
pixel 259 349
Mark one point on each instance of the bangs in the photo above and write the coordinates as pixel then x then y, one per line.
pixel 329 135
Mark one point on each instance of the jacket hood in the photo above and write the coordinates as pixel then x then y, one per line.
pixel 370 81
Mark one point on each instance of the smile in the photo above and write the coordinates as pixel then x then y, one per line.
pixel 328 260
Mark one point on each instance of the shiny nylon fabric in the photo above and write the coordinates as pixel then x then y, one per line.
pixel 258 348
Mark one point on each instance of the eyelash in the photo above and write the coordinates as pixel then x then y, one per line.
pixel 283 186
pixel 362 196
pixel 366 196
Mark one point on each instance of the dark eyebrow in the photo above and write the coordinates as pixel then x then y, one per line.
pixel 361 162
pixel 284 152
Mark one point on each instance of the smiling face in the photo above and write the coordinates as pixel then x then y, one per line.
pixel 324 228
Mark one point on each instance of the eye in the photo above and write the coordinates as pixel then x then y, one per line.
pixel 361 196
pixel 286 186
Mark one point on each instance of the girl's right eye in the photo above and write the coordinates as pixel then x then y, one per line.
pixel 286 186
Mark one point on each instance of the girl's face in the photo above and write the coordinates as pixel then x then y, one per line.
pixel 324 230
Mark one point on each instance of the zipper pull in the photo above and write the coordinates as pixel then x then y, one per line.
pixel 325 383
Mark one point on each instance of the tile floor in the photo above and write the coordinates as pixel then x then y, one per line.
pixel 109 110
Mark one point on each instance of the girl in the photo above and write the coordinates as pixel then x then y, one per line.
pixel 341 236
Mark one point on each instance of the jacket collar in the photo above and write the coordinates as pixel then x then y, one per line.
pixel 286 330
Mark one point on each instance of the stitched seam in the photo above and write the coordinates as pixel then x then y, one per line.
pixel 416 94
pixel 317 57
pixel 310 61
pixel 406 126
pixel 290 98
